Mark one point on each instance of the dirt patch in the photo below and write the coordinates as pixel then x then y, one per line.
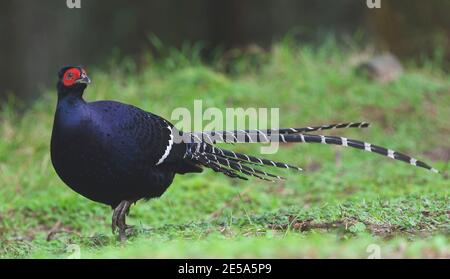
pixel 59 228
pixel 382 229
pixel 314 166
pixel 309 224
pixel 344 224
pixel 440 153
pixel 405 108
pixel 378 115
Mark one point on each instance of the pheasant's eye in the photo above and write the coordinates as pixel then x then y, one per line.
pixel 70 76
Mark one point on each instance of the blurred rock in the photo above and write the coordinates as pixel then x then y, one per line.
pixel 383 68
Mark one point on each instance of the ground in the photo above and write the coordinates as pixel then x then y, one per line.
pixel 347 203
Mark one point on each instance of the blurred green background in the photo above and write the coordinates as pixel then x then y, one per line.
pixel 300 56
pixel 37 37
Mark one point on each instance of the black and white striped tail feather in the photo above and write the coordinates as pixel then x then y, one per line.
pixel 260 135
pixel 203 160
pixel 233 168
pixel 231 163
pixel 248 159
pixel 241 167
pixel 308 138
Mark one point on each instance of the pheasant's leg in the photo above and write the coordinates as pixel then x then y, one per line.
pixel 118 219
pixel 115 217
pixel 122 221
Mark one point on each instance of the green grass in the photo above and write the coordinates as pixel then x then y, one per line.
pixel 345 201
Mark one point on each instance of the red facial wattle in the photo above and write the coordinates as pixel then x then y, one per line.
pixel 71 76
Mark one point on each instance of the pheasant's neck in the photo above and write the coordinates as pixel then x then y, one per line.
pixel 71 110
pixel 71 100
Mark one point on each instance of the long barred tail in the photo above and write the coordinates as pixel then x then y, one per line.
pixel 239 135
pixel 306 138
pixel 203 160
pixel 233 168
pixel 234 164
pixel 240 165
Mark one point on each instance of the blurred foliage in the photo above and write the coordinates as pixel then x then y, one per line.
pixel 39 37
pixel 415 29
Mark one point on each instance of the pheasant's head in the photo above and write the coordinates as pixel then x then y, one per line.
pixel 72 80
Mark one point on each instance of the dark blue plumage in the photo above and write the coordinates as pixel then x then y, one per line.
pixel 107 151
pixel 117 154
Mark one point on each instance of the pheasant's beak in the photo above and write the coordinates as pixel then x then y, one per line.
pixel 84 79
